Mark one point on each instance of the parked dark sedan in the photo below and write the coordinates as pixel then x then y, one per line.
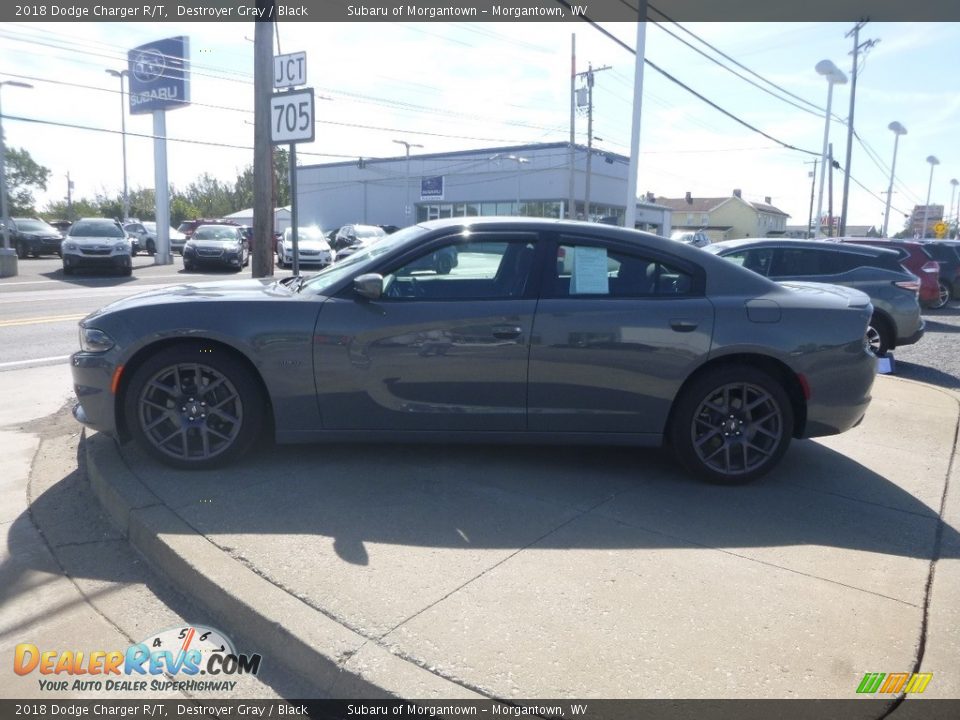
pixel 222 245
pixel 32 236
pixel 546 331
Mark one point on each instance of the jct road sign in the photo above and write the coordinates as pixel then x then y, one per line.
pixel 290 70
pixel 291 117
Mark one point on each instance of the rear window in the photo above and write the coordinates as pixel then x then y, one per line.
pixel 34 226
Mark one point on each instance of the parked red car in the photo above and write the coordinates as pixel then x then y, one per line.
pixel 917 260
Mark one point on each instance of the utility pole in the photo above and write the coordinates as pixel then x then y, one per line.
pixel 813 185
pixel 262 145
pixel 571 199
pixel 69 198
pixel 830 198
pixel 857 47
pixel 407 210
pixel 589 83
pixel 630 212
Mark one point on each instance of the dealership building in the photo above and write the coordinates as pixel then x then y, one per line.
pixel 529 180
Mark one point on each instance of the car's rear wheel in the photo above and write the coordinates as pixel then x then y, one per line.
pixel 194 407
pixel 732 425
pixel 23 252
pixel 188 266
pixel 151 247
pixel 943 297
pixel 878 336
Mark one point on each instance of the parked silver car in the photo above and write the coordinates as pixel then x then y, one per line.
pixel 545 331
pixel 876 271
pixel 96 243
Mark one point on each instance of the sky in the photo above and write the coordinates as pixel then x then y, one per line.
pixel 462 86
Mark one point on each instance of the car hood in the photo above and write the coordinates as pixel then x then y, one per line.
pixel 225 290
pixel 854 298
pixel 307 244
pixel 213 243
pixel 42 234
pixel 87 241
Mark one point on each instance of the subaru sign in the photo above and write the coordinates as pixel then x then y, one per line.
pixel 431 188
pixel 159 75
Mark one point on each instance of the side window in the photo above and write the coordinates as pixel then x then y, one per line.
pixel 481 269
pixel 594 270
pixel 758 260
pixel 801 261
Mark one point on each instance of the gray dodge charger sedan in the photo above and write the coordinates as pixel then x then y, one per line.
pixel 545 331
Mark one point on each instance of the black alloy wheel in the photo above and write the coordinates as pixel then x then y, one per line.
pixel 194 407
pixel 732 425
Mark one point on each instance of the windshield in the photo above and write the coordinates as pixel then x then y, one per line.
pixel 368 231
pixel 215 232
pixel 35 226
pixel 305 233
pixel 332 275
pixel 96 228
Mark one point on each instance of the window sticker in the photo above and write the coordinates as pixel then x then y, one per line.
pixel 589 271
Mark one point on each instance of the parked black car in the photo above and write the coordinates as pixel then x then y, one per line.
pixel 33 236
pixel 222 245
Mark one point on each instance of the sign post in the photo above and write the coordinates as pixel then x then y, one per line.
pixel 291 121
pixel 160 80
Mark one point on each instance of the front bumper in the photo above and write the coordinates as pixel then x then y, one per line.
pixel 96 408
pixel 227 259
pixel 79 260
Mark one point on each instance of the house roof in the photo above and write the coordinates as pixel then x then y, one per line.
pixel 705 205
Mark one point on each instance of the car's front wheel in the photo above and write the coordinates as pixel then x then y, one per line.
pixel 23 252
pixel 732 424
pixel 194 407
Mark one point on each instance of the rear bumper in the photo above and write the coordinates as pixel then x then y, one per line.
pixel 841 393
pixel 910 340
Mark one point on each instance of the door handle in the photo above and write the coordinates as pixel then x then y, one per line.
pixel 507 332
pixel 684 325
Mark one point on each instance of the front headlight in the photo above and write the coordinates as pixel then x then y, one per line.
pixel 122 245
pixel 93 340
pixel 71 246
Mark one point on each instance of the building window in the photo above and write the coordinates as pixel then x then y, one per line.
pixel 704 220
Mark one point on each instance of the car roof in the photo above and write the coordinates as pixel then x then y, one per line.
pixel 804 244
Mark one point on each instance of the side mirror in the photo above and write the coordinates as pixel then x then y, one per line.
pixel 369 286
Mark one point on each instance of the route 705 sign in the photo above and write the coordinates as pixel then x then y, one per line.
pixel 291 117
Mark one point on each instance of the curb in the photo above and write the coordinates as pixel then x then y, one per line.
pixel 325 653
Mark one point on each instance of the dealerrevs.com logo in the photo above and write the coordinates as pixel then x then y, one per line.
pixel 894 683
pixel 170 660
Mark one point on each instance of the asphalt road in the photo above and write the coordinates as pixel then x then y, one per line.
pixel 40 307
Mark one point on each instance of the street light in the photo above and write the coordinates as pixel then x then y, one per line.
pixel 520 161
pixel 123 129
pixel 8 267
pixel 926 208
pixel 407 145
pixel 834 76
pixel 898 130
pixel 953 192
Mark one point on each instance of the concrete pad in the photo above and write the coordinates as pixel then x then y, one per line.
pixel 380 548
pixel 626 613
pixel 851 543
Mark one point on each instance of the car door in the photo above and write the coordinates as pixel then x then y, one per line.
pixel 618 329
pixel 436 351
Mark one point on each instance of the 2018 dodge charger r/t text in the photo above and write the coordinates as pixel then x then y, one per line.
pixel 545 331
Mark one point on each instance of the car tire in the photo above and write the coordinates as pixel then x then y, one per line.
pixel 127 271
pixel 879 336
pixel 280 261
pixel 67 270
pixel 151 247
pixel 188 266
pixel 133 252
pixel 172 414
pixel 731 425
pixel 943 298
pixel 22 252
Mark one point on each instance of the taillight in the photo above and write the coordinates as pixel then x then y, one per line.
pixel 911 285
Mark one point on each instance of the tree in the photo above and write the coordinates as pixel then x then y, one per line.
pixel 243 187
pixel 60 211
pixel 24 176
